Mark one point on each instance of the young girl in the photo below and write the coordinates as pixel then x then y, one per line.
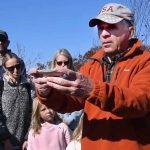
pixel 47 132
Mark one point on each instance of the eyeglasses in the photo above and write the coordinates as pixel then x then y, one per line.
pixel 11 68
pixel 59 63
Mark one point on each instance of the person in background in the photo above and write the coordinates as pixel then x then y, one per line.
pixel 75 143
pixel 4 43
pixel 47 132
pixel 113 87
pixel 63 58
pixel 16 100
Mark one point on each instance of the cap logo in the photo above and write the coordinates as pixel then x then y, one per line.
pixel 107 9
pixel 113 13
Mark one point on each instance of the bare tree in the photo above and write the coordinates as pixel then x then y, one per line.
pixel 141 9
pixel 81 59
pixel 29 60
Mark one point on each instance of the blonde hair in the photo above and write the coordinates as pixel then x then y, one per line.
pixel 65 53
pixel 77 134
pixel 36 119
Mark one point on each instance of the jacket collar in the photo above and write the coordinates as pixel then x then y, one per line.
pixel 22 81
pixel 134 42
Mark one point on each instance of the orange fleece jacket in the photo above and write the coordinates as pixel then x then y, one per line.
pixel 117 114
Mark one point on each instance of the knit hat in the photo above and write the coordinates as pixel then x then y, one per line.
pixel 3 34
pixel 113 13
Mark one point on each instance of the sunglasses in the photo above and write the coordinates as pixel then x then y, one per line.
pixel 11 68
pixel 59 63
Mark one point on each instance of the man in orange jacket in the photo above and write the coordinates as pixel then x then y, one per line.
pixel 113 88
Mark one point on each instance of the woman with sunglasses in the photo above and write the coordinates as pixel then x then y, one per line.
pixel 63 58
pixel 16 100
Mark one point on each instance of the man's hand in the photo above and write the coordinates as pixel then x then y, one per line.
pixel 74 83
pixel 40 82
